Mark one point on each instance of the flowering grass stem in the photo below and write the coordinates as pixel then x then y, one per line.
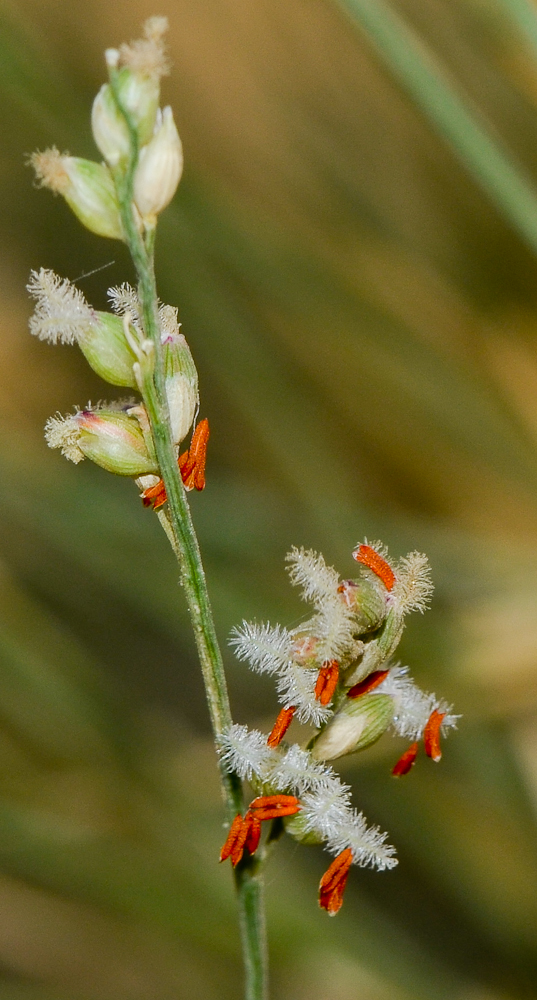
pixel 177 523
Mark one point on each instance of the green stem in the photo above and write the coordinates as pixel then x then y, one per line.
pixel 179 528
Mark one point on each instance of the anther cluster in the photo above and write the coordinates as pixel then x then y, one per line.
pixel 334 671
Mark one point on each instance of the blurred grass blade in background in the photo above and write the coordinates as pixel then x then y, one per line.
pixel 413 65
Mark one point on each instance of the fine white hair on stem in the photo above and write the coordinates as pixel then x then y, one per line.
pixel 413 586
pixel 296 771
pixel 267 648
pixel 245 751
pixel 61 314
pixel 296 687
pixel 367 843
pixel 412 706
pixel 124 299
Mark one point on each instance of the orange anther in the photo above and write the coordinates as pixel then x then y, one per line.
pixel 333 882
pixel 405 761
pixel 254 834
pixel 327 681
pixel 240 841
pixel 431 735
pixel 193 473
pixel 369 557
pixel 231 838
pixel 281 726
pixel 273 806
pixel 369 684
pixel 191 466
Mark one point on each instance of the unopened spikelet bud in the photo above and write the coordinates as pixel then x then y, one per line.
pixel 358 724
pixel 181 385
pixel 111 438
pixel 139 94
pixel 105 347
pixel 367 602
pixel 109 127
pixel 159 170
pixel 86 186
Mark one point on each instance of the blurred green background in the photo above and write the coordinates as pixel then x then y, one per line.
pixel 353 250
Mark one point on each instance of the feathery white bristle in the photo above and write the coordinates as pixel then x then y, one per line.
pixel 413 586
pixel 297 772
pixel 123 298
pixel 308 570
pixel 267 648
pixel 367 843
pixel 412 706
pixel 245 751
pixel 334 622
pixel 325 808
pixel 296 687
pixel 61 314
pixel 63 432
pixel 333 626
pixel 168 322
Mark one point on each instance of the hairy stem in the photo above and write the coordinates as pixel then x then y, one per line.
pixel 177 523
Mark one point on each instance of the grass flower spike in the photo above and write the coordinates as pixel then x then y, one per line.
pixel 354 630
pixel 334 671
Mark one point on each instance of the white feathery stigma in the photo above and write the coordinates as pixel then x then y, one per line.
pixel 61 313
pixel 367 843
pixel 296 687
pixel 123 298
pixel 267 648
pixel 334 623
pixel 325 808
pixel 308 570
pixel 168 321
pixel 296 771
pixel 412 706
pixel 413 587
pixel 63 432
pixel 245 751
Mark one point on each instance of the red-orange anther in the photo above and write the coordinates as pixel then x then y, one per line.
pixel 240 841
pixel 254 834
pixel 155 496
pixel 191 466
pixel 273 806
pixel 369 557
pixel 234 829
pixel 333 882
pixel 281 726
pixel 431 735
pixel 194 471
pixel 327 681
pixel 405 761
pixel 369 684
